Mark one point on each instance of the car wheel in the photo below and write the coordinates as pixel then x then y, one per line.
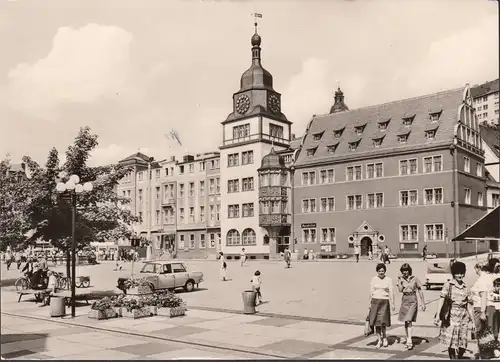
pixel 189 287
pixel 86 283
pixel 428 286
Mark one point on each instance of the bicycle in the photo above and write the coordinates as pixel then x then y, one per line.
pixel 62 281
pixel 23 283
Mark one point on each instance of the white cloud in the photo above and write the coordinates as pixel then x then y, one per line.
pixel 83 65
pixel 308 92
pixel 470 56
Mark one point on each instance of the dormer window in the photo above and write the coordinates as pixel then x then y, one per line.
pixel 359 130
pixel 353 146
pixel 317 136
pixel 377 142
pixel 403 138
pixel 383 125
pixel 311 151
pixel 431 134
pixel 434 116
pixel 338 134
pixel 407 121
pixel 331 148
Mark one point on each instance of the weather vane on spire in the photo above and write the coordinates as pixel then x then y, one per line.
pixel 255 16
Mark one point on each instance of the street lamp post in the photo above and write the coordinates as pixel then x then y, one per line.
pixel 71 188
pixel 292 192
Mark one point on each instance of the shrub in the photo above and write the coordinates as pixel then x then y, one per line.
pixel 102 304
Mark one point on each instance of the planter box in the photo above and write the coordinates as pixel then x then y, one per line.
pixel 136 313
pixel 153 310
pixel 102 314
pixel 172 312
pixel 118 311
pixel 140 290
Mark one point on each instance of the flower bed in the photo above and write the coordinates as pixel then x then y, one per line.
pixel 135 308
pixel 170 305
pixel 102 309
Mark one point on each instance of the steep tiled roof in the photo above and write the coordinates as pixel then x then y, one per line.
pixel 484 89
pixel 417 110
pixel 135 156
pixel 491 137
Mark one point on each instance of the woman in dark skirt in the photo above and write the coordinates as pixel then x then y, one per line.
pixel 409 285
pixel 381 303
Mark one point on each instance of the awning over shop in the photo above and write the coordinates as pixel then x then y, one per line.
pixel 486 228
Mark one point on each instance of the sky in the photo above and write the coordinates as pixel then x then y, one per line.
pixel 133 70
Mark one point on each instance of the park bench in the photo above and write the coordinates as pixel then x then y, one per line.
pixel 66 294
pixel 33 292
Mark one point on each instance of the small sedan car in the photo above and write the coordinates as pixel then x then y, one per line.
pixel 167 275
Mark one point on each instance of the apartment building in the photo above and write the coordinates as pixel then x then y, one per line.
pixel 404 174
pixel 486 101
pixel 491 144
pixel 178 202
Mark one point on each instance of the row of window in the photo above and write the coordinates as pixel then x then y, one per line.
pixel 213 188
pixel 169 215
pixel 247 184
pixel 430 164
pixel 248 237
pixel 467 168
pixel 213 238
pixel 233 159
pixel 243 131
pixel 233 211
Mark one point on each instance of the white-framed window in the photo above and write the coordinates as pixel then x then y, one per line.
pixel 374 170
pixel 479 169
pixel 309 235
pixel 308 178
pixel 353 146
pixel 211 186
pixel 433 164
pixel 468 196
pixel 354 202
pixel 403 138
pixel 247 184
pixel 202 213
pixel 181 215
pixel 408 167
pixel 140 217
pixel 192 244
pixel 375 200
pixel 480 199
pixel 495 200
pixel 233 237
pixel 157 173
pixel 354 173
pixel 275 131
pixel 408 198
pixel 181 242
pixel 139 195
pixel 308 205
pixel 408 233
pixel 247 157
pixel 434 232
pixel 327 176
pixel 217 185
pixel 217 214
pixel 202 166
pixel 140 175
pixel 466 164
pixel 433 196
pixel 248 209
pixel 191 167
pixel 430 134
pixel 181 191
pixel 233 160
pixel 233 186
pixel 383 125
pixel 157 193
pixel 327 204
pixel 249 237
pixel 233 211
pixel 212 240
pixel 241 131
pixel 328 236
pixel 157 217
pixel 191 215
pixel 202 188
pixel 211 209
pixel 202 241
pixel 191 189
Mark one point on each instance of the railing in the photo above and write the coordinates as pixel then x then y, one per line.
pixel 255 136
pixel 273 191
pixel 168 201
pixel 274 219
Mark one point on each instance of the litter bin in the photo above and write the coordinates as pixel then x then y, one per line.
pixel 249 298
pixel 57 307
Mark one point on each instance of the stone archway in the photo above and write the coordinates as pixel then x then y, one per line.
pixel 365 244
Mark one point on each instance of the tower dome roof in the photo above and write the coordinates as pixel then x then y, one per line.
pixel 272 161
pixel 339 105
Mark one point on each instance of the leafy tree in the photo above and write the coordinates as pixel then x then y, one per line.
pixel 101 214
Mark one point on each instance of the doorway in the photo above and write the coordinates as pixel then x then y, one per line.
pixel 366 243
pixel 283 242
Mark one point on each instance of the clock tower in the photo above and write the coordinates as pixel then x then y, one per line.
pixel 255 124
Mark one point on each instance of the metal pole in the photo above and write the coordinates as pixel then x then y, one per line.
pixel 73 254
pixel 149 250
pixel 292 183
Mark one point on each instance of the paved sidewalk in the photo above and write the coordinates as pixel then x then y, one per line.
pixel 28 332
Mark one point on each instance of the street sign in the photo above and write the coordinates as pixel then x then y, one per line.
pixel 308 225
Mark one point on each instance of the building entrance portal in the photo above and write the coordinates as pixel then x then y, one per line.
pixel 366 243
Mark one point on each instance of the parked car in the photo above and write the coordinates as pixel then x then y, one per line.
pixel 167 275
pixel 438 272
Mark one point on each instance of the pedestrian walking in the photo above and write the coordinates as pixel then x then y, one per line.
pixel 357 251
pixel 223 267
pixel 381 303
pixel 256 282
pixel 409 285
pixel 243 257
pixel 8 259
pixel 454 318
pixel 288 257
pixel 386 254
pixel 370 252
pixel 18 259
pixel 424 252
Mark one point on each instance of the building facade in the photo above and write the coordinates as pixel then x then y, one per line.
pixel 404 174
pixel 486 101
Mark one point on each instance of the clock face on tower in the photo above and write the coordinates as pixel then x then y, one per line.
pixel 242 104
pixel 274 103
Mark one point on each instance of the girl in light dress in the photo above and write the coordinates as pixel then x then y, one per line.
pixel 381 303
pixel 223 267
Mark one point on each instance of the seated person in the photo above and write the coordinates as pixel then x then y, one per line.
pixel 37 280
pixel 51 287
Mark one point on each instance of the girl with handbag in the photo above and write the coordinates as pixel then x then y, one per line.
pixel 454 311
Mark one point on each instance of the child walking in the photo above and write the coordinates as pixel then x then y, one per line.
pixel 256 286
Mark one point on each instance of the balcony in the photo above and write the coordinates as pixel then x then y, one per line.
pixel 168 201
pixel 279 219
pixel 273 191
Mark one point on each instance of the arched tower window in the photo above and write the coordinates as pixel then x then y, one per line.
pixel 233 237
pixel 249 237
